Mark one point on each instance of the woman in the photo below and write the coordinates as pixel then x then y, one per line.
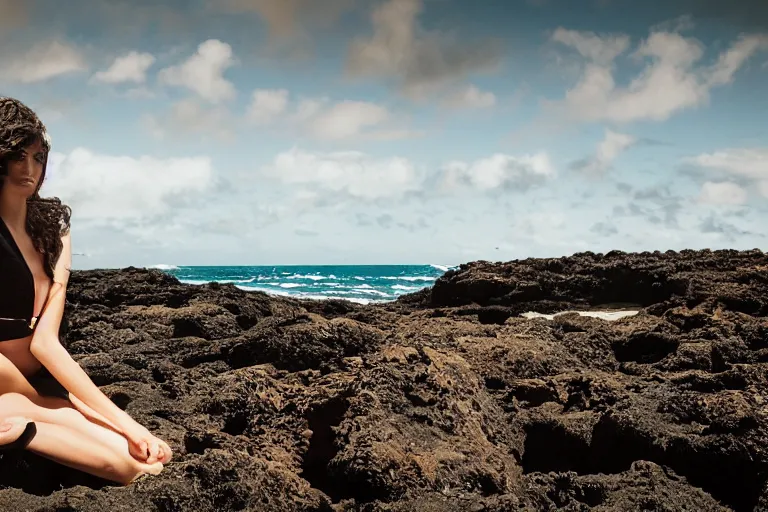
pixel 48 404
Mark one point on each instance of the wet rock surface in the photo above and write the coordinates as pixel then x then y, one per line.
pixel 446 400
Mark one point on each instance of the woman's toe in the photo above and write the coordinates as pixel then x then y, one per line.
pixel 154 469
pixel 148 470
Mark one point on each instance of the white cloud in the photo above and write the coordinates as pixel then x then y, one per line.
pixel 762 188
pixel 131 67
pixel 190 116
pixel 139 93
pixel 307 109
pixel 267 105
pixel 750 164
pixel 322 118
pixel 599 49
pixel 119 190
pixel 730 61
pixel 500 171
pixel 613 145
pixel 722 193
pixel 346 119
pixel 45 61
pixel 746 163
pixel 418 61
pixel 682 23
pixel 670 82
pixel 203 72
pixel 472 97
pixel 352 173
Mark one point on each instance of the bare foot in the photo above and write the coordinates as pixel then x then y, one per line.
pixel 11 429
pixel 147 469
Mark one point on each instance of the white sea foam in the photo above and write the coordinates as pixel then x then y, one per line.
pixel 362 289
pixel 196 282
pixel 605 315
pixel 371 291
pixel 409 278
pixel 269 291
pixel 312 277
pixel 163 266
pixel 443 268
pixel 310 297
pixel 222 281
pixel 351 299
pixel 236 281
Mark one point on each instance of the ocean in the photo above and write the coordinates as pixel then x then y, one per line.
pixel 357 283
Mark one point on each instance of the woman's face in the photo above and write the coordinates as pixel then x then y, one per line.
pixel 25 168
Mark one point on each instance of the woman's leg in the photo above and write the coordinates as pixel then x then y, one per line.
pixel 61 412
pixel 12 381
pixel 75 450
pixel 64 435
pixel 58 411
pixel 19 400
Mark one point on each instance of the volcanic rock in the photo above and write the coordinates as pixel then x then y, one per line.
pixel 445 400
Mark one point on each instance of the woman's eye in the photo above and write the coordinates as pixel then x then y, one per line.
pixel 40 159
pixel 16 156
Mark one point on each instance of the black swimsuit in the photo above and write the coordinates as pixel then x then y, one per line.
pixel 17 299
pixel 17 302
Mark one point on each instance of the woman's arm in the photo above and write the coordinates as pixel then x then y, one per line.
pixel 47 348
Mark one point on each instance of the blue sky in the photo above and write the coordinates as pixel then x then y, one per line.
pixel 396 131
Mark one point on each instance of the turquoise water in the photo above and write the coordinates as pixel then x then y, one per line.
pixel 357 283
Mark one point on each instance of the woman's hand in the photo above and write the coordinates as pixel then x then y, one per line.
pixel 146 447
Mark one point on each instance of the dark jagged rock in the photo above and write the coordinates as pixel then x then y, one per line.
pixel 445 400
pixel 734 279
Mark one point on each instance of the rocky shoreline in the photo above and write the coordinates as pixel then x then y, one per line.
pixel 445 400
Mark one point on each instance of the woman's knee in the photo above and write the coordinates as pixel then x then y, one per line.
pixel 15 404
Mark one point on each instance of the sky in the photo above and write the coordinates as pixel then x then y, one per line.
pixel 279 132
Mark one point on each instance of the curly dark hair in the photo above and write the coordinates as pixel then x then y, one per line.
pixel 47 218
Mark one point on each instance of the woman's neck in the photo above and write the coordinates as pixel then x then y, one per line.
pixel 13 210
